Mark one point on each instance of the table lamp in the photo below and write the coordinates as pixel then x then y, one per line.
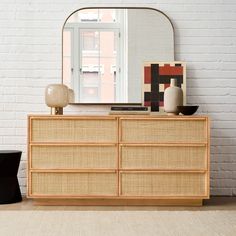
pixel 56 97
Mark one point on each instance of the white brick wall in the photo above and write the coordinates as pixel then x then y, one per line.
pixel 205 37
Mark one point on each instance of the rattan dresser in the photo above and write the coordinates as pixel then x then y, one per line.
pixel 126 160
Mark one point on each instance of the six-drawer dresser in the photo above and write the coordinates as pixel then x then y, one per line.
pixel 126 160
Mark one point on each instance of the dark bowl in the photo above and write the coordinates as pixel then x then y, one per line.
pixel 187 110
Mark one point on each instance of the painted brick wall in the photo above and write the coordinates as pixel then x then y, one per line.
pixel 205 37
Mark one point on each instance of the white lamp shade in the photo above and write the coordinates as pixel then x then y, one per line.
pixel 56 95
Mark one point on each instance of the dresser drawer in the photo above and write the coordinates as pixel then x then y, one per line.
pixel 74 184
pixel 74 156
pixel 163 130
pixel 163 157
pixel 163 184
pixel 74 130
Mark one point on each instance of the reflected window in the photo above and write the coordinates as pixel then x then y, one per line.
pixel 90 40
pixel 94 15
pixel 90 87
pixel 96 41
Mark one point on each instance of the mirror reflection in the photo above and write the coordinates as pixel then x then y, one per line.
pixel 104 50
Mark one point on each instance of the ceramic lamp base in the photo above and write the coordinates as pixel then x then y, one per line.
pixel 56 110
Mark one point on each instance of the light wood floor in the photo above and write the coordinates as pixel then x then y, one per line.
pixel 215 203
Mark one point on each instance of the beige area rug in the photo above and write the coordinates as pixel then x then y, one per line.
pixel 117 223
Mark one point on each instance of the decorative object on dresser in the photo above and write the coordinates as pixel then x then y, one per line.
pixel 122 160
pixel 187 110
pixel 56 97
pixel 157 77
pixel 173 97
pixel 129 110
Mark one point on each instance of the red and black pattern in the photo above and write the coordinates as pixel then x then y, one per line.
pixel 158 76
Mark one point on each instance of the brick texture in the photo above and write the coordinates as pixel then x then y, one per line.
pixel 205 37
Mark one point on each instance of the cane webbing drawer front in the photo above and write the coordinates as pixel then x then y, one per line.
pixel 163 130
pixel 74 130
pixel 74 157
pixel 163 184
pixel 163 157
pixel 74 184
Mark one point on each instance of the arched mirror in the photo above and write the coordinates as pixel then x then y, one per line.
pixel 104 50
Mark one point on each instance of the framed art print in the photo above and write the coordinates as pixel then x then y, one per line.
pixel 156 78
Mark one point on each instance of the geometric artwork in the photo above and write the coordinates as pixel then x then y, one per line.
pixel 157 77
